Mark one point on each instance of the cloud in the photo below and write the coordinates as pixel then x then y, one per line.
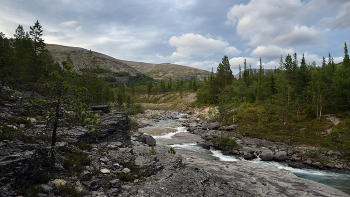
pixel 194 44
pixel 78 28
pixel 231 50
pixel 341 21
pixel 236 61
pixel 282 23
pixel 270 52
pixel 299 36
pixel 69 23
pixel 206 65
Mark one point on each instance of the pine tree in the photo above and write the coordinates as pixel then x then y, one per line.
pixel 260 68
pixel 346 59
pixel 39 45
pixel 240 72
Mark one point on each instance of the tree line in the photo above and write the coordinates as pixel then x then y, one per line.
pixel 26 65
pixel 287 91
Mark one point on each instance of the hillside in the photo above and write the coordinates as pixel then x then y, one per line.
pixel 112 68
pixel 166 70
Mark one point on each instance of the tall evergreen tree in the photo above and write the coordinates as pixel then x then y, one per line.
pixel 39 45
pixel 346 59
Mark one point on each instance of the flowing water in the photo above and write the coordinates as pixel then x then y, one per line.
pixel 171 133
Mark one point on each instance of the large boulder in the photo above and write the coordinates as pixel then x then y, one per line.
pixel 281 156
pixel 150 140
pixel 211 126
pixel 20 164
pixel 113 128
pixel 266 155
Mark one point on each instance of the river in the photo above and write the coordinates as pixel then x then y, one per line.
pixel 171 133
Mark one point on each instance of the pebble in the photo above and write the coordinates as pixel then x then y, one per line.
pixel 105 171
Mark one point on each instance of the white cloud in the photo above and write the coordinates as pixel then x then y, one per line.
pixel 282 23
pixel 205 65
pixel 69 23
pixel 341 21
pixel 299 36
pixel 231 50
pixel 78 28
pixel 270 52
pixel 190 44
pixel 236 61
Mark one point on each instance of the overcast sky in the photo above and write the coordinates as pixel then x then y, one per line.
pixel 195 33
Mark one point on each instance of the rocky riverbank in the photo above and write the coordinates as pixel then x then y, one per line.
pixel 116 161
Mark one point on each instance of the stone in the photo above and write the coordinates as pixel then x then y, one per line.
pixel 59 167
pixel 339 166
pixel 330 153
pixel 249 156
pixel 296 165
pixel 150 140
pixel 116 183
pixel 126 170
pixel 317 165
pixel 20 164
pixel 92 185
pixel 337 153
pixel 211 126
pixel 203 145
pixel 105 171
pixel 114 128
pixel 280 156
pixel 266 155
pixel 330 165
pixel 46 188
pixel 22 126
pixel 104 159
pixel 253 180
pixel 61 146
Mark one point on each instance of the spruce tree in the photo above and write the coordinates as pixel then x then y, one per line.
pixel 346 60
pixel 39 45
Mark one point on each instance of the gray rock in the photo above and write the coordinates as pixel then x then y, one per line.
pixel 211 126
pixel 59 167
pixel 150 140
pixel 266 155
pixel 23 166
pixel 61 146
pixel 330 165
pixel 114 128
pixel 92 185
pixel 296 165
pixel 126 170
pixel 280 156
pixel 337 153
pixel 46 188
pixel 249 156
pixel 116 183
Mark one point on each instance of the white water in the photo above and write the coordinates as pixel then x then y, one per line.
pixel 169 135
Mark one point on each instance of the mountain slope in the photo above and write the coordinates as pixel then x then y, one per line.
pixel 116 68
pixel 166 70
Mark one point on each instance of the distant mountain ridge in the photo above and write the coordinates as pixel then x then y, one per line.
pixel 166 70
pixel 78 55
pixel 136 69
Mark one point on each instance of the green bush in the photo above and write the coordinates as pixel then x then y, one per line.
pixel 135 109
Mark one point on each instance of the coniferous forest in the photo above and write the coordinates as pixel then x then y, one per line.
pixel 26 65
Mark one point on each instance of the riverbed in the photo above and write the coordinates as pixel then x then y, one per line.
pixel 170 133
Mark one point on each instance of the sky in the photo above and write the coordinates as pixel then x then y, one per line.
pixel 196 33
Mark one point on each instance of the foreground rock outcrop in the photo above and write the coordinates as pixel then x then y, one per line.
pixel 212 178
pixel 20 164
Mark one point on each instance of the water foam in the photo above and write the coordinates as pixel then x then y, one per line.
pixel 169 135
